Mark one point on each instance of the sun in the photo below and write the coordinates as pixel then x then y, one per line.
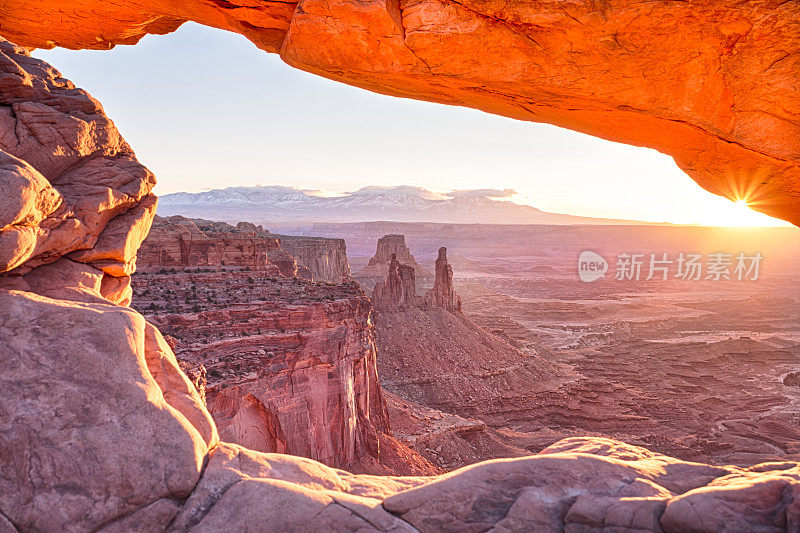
pixel 723 212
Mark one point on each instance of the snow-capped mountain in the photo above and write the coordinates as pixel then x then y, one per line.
pixel 399 204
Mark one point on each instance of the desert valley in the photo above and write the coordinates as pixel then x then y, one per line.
pixel 495 350
pixel 391 358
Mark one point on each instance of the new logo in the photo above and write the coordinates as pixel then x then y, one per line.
pixel 591 266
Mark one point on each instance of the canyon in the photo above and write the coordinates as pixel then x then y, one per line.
pixel 103 430
pixel 444 373
pixel 289 366
pixel 696 369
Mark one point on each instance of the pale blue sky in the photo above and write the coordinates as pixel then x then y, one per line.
pixel 206 109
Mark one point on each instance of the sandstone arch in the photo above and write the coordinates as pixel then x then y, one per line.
pixel 713 84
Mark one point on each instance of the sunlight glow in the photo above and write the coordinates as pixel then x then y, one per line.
pixel 738 214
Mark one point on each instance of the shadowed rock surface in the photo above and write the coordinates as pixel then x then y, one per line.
pixel 177 241
pixel 399 291
pixel 444 360
pixel 325 258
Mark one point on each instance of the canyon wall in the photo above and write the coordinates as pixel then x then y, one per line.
pixel 325 258
pixel 713 84
pixel 290 365
pixel 178 242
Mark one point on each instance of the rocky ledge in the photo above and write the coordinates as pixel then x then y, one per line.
pixel 177 241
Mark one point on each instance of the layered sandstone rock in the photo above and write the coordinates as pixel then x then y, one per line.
pixel 392 247
pixel 88 414
pixel 290 365
pixel 378 267
pixel 288 265
pixel 71 187
pixel 316 258
pixel 585 484
pixel 398 291
pixel 712 84
pixel 325 259
pixel 442 294
pixel 178 242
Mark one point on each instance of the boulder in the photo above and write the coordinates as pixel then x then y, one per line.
pixel 97 420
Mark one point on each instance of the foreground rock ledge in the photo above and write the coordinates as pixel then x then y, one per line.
pixel 713 84
pixel 102 430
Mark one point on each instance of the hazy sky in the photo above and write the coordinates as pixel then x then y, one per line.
pixel 205 109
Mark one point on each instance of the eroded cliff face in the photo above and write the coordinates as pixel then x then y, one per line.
pixel 325 258
pixel 178 242
pixel 398 291
pixel 290 365
pixel 713 84
pixel 73 192
pixel 442 294
pixel 391 249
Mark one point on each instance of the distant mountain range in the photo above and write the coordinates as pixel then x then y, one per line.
pixel 398 204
